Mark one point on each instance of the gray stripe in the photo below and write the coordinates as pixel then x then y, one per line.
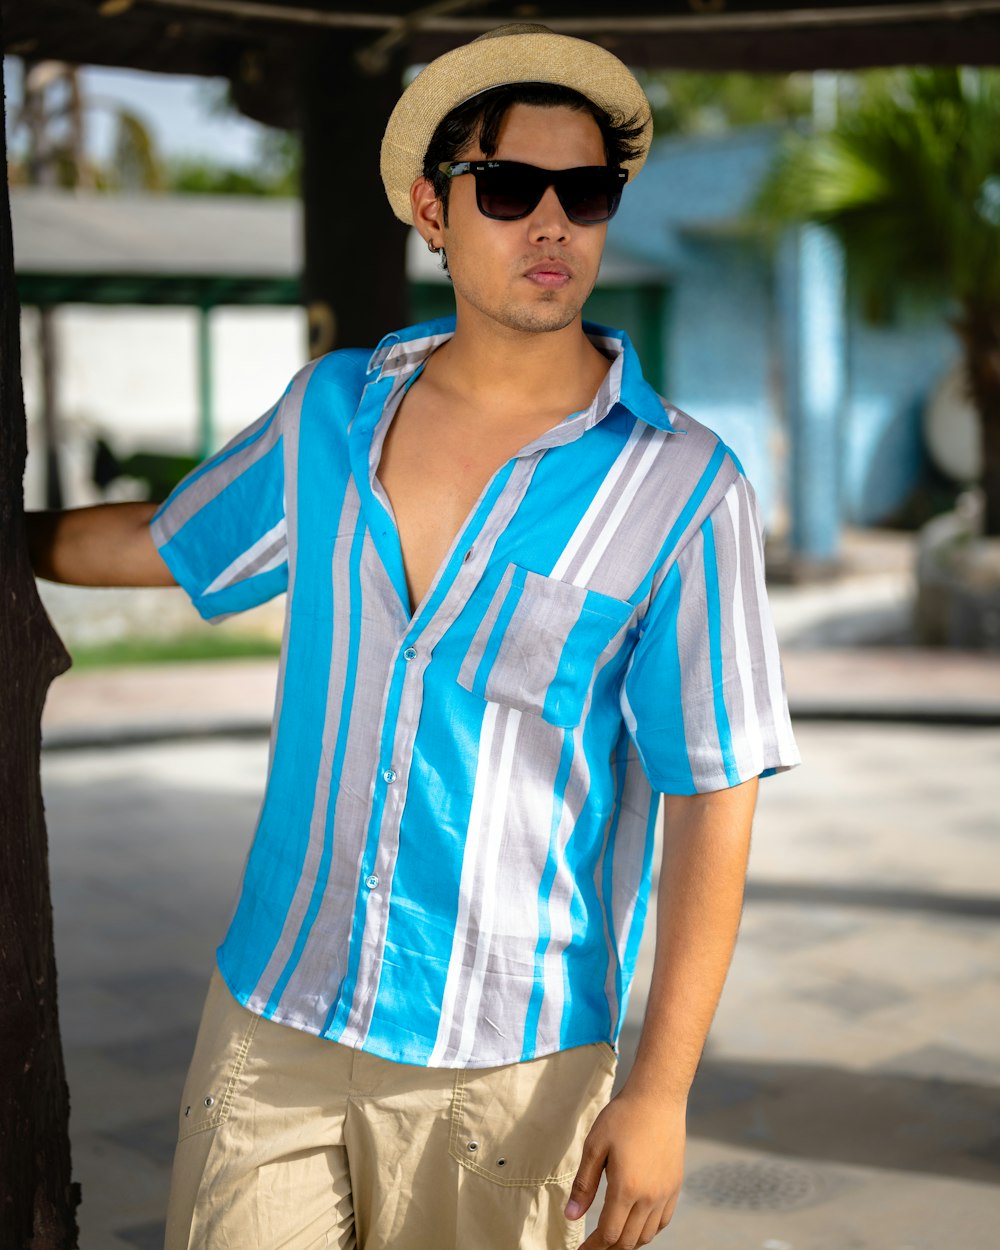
pixel 361 765
pixel 757 612
pixel 601 520
pixel 701 734
pixel 339 659
pixel 732 687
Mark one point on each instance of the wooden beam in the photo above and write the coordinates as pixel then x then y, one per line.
pixel 354 285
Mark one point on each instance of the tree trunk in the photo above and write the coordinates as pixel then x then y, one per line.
pixel 37 1198
pixel 980 333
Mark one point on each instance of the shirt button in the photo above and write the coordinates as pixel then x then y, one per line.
pixel 389 775
pixel 371 881
pixel 410 653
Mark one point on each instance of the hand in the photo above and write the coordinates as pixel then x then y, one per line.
pixel 641 1144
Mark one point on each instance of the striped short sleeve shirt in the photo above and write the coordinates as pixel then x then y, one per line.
pixel 452 859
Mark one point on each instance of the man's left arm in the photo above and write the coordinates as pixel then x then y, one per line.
pixel 639 1137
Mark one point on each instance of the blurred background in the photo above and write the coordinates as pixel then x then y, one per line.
pixel 810 265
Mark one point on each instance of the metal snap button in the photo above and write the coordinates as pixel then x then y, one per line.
pixel 501 1162
pixel 210 1101
pixel 473 1146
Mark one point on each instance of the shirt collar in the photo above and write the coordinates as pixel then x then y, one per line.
pixel 402 352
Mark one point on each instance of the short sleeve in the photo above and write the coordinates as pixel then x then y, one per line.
pixel 222 530
pixel 704 695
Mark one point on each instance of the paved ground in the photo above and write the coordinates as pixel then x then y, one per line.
pixel 849 1097
pixel 850 1094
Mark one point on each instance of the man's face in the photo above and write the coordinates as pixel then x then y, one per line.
pixel 531 275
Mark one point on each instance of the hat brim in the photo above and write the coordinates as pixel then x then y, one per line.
pixel 465 72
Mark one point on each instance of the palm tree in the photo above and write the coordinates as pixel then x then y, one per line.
pixel 909 178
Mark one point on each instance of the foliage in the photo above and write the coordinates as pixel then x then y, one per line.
pixel 183 648
pixel 909 177
pixel 276 171
pixel 697 103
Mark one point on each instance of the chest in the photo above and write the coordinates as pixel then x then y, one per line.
pixel 434 466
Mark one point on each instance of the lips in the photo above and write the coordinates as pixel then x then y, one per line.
pixel 548 268
pixel 549 273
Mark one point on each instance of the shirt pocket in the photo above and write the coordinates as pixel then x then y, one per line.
pixel 539 644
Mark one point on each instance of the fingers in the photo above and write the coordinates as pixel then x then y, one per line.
pixel 587 1179
pixel 624 1226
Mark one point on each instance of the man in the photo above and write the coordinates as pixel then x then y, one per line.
pixel 525 597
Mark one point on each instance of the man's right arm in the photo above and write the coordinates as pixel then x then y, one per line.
pixel 106 545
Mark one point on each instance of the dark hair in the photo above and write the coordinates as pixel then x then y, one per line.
pixel 481 118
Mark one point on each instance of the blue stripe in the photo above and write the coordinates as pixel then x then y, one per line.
pixel 715 654
pixel 219 458
pixel 247 593
pixel 343 731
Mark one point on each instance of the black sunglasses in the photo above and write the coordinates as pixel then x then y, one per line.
pixel 509 190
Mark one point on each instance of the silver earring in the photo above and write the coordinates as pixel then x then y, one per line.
pixel 431 248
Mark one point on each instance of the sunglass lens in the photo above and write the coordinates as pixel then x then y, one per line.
pixel 506 192
pixel 589 197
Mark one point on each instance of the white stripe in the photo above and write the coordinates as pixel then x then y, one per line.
pixel 603 539
pixel 744 664
pixel 597 503
pixel 231 572
pixel 488 902
pixel 469 861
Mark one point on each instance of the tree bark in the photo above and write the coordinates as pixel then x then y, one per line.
pixel 37 1197
pixel 980 333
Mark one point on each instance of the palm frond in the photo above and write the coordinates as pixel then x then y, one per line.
pixel 910 179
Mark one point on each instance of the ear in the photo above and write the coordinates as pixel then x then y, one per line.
pixel 428 214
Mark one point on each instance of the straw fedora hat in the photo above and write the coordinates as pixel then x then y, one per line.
pixel 517 52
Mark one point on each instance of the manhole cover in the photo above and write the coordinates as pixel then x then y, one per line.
pixel 755 1185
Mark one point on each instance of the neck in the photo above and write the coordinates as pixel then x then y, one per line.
pixel 505 371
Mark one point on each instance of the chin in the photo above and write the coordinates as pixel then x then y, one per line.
pixel 540 319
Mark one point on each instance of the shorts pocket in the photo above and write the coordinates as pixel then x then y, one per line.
pixel 220 1053
pixel 539 644
pixel 525 1123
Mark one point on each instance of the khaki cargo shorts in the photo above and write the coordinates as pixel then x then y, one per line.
pixel 292 1141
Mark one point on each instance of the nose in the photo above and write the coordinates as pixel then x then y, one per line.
pixel 548 219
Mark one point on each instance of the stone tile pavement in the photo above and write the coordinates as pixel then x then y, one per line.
pixel 849 1096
